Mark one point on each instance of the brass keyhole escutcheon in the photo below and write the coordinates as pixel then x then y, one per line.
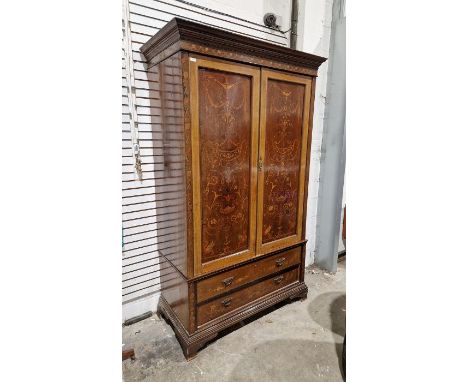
pixel 228 281
pixel 226 302
pixel 278 279
pixel 280 262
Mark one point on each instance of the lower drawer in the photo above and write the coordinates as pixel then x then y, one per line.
pixel 226 304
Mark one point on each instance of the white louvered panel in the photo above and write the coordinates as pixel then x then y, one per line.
pixel 139 39
pixel 144 238
pixel 146 183
pixel 143 128
pixel 137 192
pixel 137 56
pixel 146 167
pixel 145 212
pixel 134 232
pixel 155 11
pixel 136 19
pixel 148 110
pixel 142 289
pixel 143 84
pixel 157 150
pixel 157 119
pixel 132 216
pixel 139 276
pixel 125 109
pixel 140 269
pixel 140 222
pixel 155 102
pixel 151 167
pixel 136 45
pixel 136 200
pixel 156 175
pixel 143 29
pixel 146 250
pixel 144 229
pixel 140 66
pixel 126 209
pixel 146 93
pixel 145 152
pixel 144 135
pixel 141 260
pixel 138 258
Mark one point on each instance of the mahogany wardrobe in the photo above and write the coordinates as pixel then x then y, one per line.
pixel 236 128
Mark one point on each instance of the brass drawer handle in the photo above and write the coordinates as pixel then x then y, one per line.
pixel 228 281
pixel 278 279
pixel 226 302
pixel 280 261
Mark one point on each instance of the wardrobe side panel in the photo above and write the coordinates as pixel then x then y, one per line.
pixel 176 292
pixel 184 60
pixel 171 184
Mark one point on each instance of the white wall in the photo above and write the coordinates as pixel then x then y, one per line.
pixel 341 246
pixel 252 10
pixel 146 18
pixel 315 17
pixel 333 157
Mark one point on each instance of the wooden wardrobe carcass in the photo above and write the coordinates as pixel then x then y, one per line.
pixel 235 126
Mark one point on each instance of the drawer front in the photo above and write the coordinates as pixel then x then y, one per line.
pixel 225 304
pixel 226 281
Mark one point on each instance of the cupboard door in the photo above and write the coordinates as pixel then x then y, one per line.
pixel 284 122
pixel 224 100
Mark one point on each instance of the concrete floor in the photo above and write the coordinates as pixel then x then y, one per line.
pixel 299 341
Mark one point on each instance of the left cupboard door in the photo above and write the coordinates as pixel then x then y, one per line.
pixel 224 103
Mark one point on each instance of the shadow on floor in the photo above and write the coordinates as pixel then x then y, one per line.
pixel 247 321
pixel 335 304
pixel 284 360
pixel 289 360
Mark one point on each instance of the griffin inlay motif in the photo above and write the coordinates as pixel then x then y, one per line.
pixel 225 135
pixel 284 117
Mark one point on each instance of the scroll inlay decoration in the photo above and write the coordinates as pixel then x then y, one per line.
pixel 285 103
pixel 225 131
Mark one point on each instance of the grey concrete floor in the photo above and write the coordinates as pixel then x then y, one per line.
pixel 298 341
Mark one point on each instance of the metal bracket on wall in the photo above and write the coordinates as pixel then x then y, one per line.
pixel 129 73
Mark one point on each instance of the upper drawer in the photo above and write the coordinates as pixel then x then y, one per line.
pixel 226 281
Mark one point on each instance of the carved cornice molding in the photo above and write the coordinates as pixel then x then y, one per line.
pixel 186 34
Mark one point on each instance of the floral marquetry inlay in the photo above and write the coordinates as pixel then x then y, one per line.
pixel 283 136
pixel 225 135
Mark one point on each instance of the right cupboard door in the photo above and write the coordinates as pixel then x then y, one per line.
pixel 284 125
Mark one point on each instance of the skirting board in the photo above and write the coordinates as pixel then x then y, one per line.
pixel 139 306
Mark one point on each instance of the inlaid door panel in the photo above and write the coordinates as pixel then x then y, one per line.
pixel 284 120
pixel 224 111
